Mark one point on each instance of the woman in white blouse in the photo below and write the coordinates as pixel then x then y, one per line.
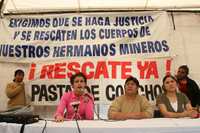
pixel 173 104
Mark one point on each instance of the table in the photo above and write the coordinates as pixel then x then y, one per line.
pixel 155 125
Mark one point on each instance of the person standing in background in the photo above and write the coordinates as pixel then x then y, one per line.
pixel 188 86
pixel 15 91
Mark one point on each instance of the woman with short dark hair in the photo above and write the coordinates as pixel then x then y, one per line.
pixel 78 103
pixel 130 105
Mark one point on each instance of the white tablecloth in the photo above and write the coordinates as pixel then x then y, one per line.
pixel 158 125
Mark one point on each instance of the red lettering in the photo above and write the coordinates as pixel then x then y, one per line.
pixel 47 70
pixel 101 69
pixel 168 67
pixel 32 71
pixel 87 66
pixel 152 70
pixel 59 69
pixel 148 69
pixel 142 68
pixel 73 67
pixel 114 65
pixel 125 71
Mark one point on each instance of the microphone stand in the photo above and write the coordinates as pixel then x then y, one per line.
pixel 75 117
pixel 99 117
pixel 79 130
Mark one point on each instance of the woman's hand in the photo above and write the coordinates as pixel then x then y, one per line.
pixel 59 119
pixel 193 113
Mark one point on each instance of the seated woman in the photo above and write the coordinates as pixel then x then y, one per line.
pixel 173 104
pixel 130 105
pixel 78 103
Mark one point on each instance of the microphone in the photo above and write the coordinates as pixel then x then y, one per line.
pixel 83 90
pixel 75 105
pixel 87 96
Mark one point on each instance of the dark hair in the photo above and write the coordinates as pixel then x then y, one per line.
pixel 80 74
pixel 132 79
pixel 19 71
pixel 185 67
pixel 168 76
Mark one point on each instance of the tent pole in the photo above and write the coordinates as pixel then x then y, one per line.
pixel 1 8
pixel 174 26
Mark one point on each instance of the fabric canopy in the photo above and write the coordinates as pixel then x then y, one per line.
pixel 24 6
